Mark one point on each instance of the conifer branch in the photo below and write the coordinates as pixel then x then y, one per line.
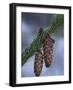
pixel 53 26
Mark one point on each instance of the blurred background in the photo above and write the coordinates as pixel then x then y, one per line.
pixel 30 24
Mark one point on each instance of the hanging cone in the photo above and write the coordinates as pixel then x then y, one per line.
pixel 38 64
pixel 48 44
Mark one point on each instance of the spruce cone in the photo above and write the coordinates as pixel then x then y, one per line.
pixel 48 43
pixel 38 64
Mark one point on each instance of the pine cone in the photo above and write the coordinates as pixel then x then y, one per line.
pixel 48 43
pixel 38 64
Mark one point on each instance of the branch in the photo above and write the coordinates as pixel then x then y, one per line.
pixel 56 22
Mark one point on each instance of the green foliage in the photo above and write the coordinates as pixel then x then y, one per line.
pixel 53 26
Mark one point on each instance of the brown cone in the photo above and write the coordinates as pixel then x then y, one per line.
pixel 48 50
pixel 38 64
